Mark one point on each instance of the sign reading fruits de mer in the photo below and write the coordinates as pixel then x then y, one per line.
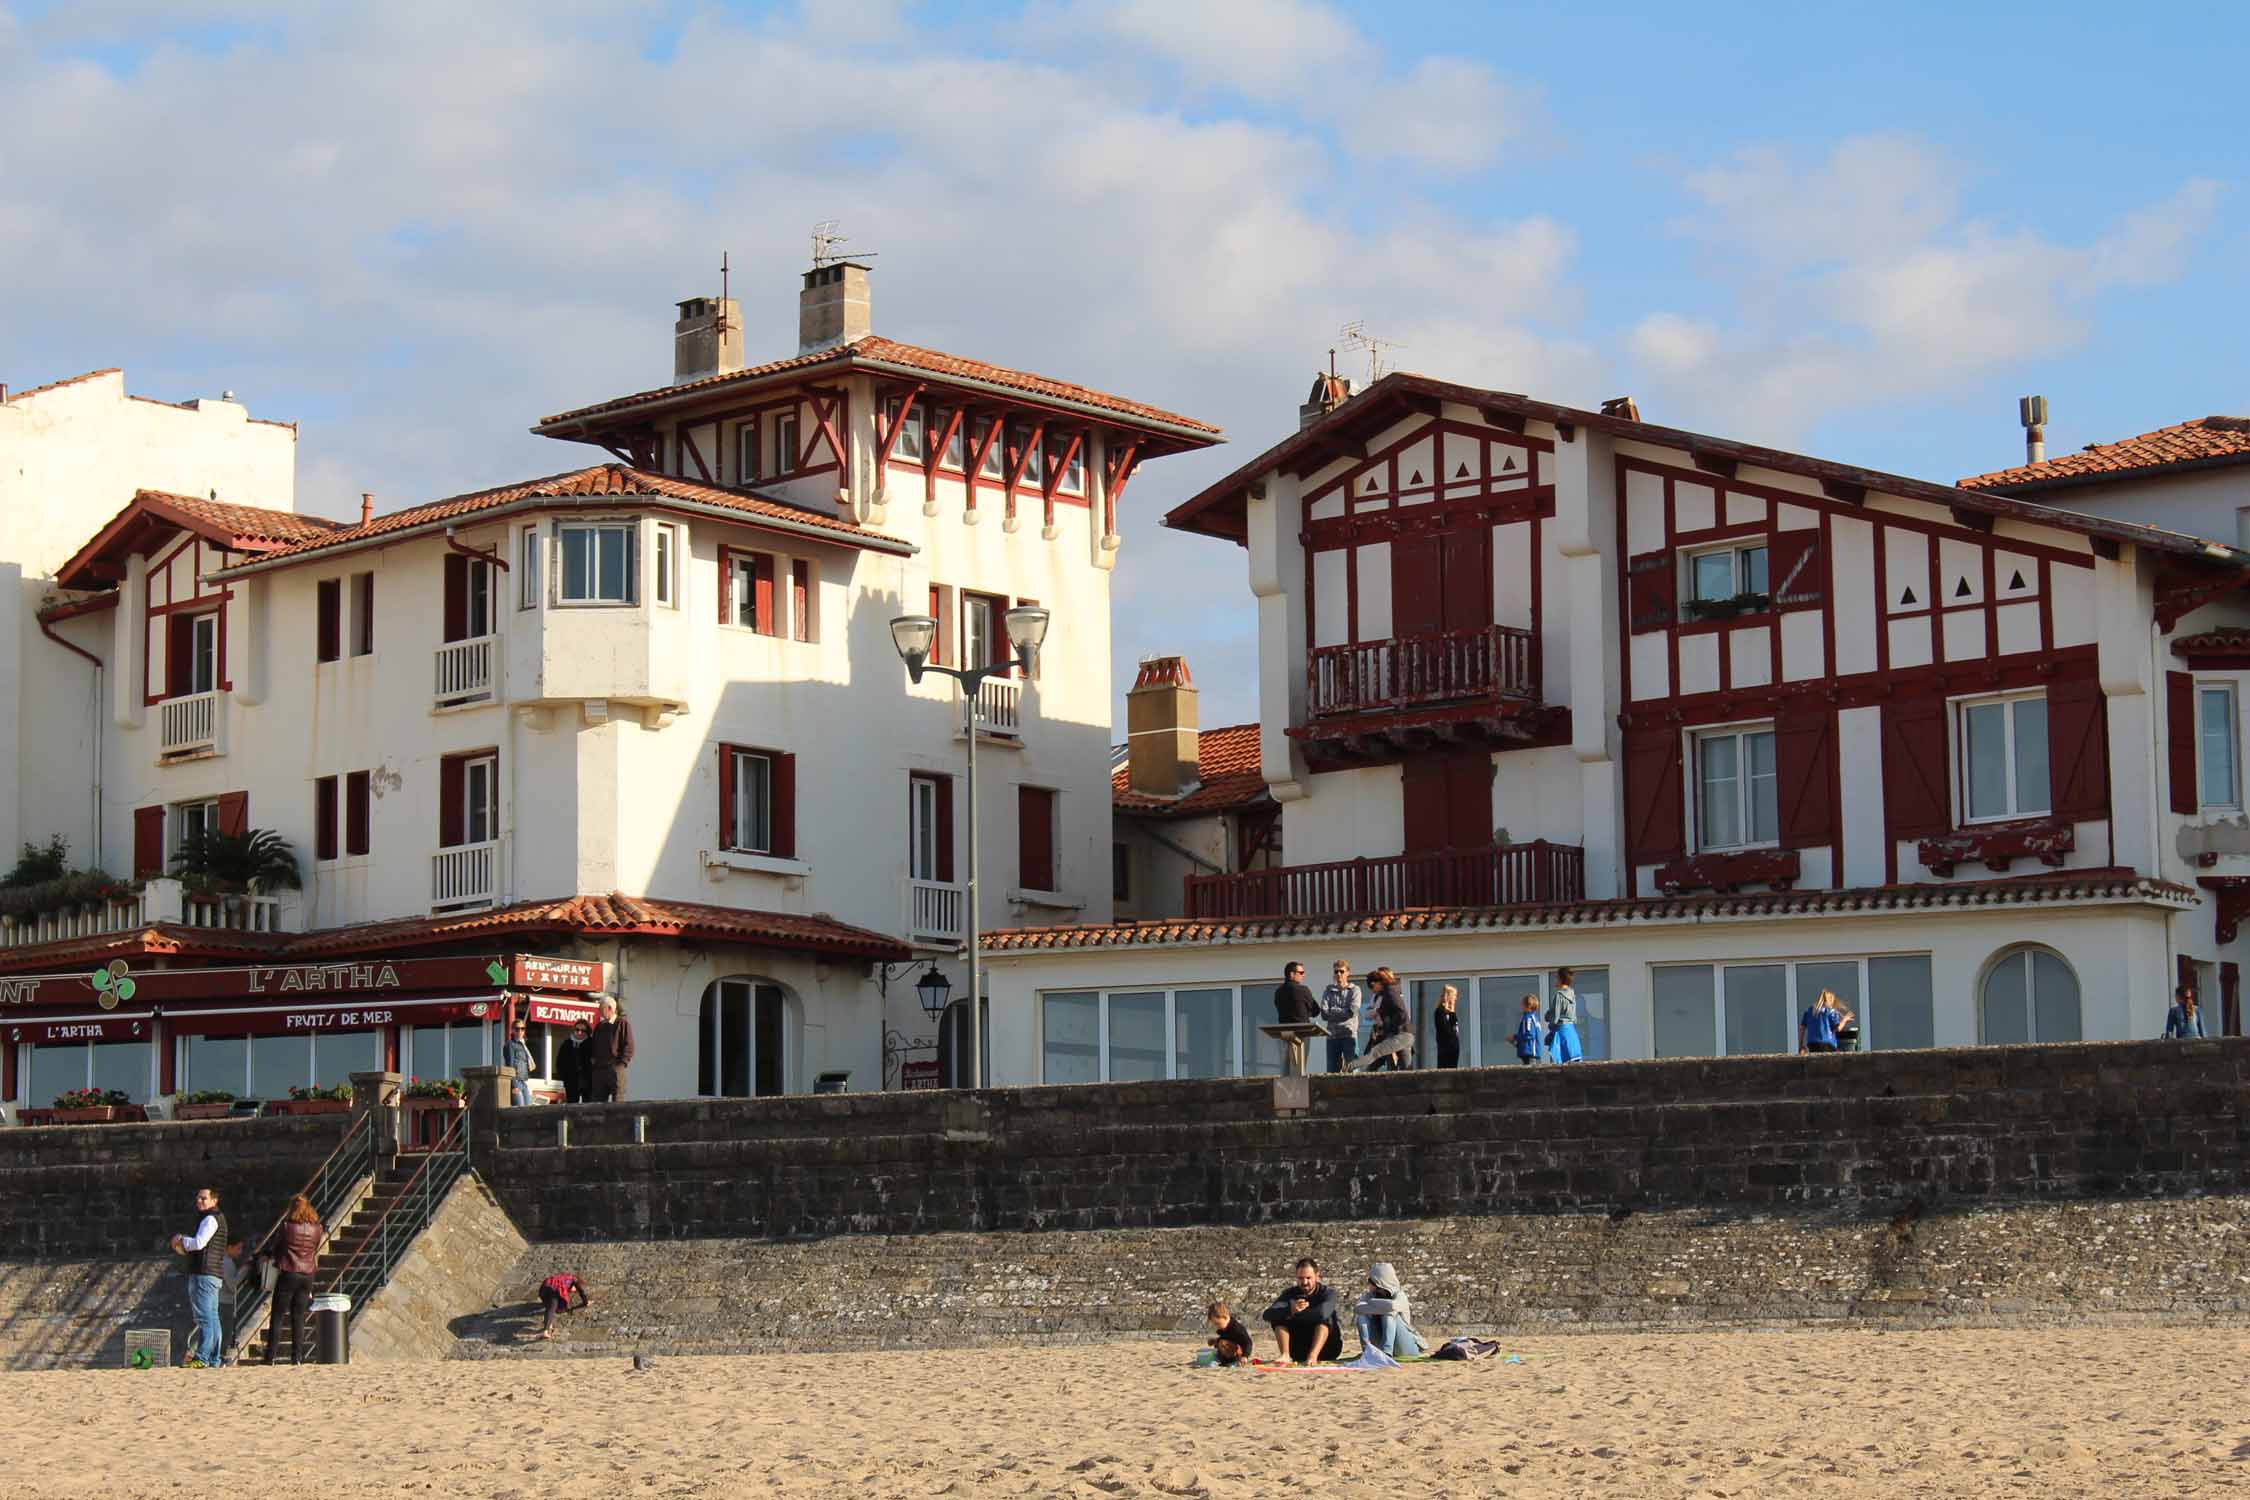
pixel 559 973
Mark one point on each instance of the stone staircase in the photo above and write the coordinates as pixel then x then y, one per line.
pixel 345 1242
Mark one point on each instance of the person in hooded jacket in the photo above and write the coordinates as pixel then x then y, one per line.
pixel 1384 1314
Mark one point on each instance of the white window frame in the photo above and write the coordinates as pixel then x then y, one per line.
pixel 2221 689
pixel 664 561
pixel 746 454
pixel 483 771
pixel 564 530
pixel 203 652
pixel 1034 473
pixel 922 825
pixel 477 605
pixel 748 809
pixel 1741 734
pixel 972 605
pixel 713 1037
pixel 527 559
pixel 1739 569
pixel 1073 480
pixel 909 444
pixel 788 437
pixel 995 465
pixel 1961 783
pixel 205 811
pixel 955 454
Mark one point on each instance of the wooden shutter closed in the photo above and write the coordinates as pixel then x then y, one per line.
pixel 762 594
pixel 1655 799
pixel 363 631
pixel 328 627
pixel 2179 741
pixel 726 796
pixel 234 813
pixel 784 821
pixel 452 802
pixel 2078 748
pixel 148 842
pixel 1917 783
pixel 1417 586
pixel 1798 570
pixel 1423 787
pixel 358 812
pixel 944 827
pixel 456 597
pixel 726 586
pixel 800 600
pixel 1035 838
pixel 1805 767
pixel 1652 588
pixel 325 844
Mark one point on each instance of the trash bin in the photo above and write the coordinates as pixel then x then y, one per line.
pixel 332 1323
pixel 837 1082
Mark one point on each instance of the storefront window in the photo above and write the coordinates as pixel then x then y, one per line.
pixel 1499 1005
pixel 276 1062
pixel 1136 1036
pixel 1263 1055
pixel 338 1055
pixel 1203 1034
pixel 1070 1037
pixel 218 1062
pixel 60 1067
pixel 443 1051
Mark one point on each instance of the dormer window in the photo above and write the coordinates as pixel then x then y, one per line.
pixel 785 450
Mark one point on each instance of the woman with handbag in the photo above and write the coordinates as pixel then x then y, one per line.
pixel 296 1258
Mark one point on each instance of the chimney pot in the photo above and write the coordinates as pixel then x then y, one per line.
pixel 833 308
pixel 1161 739
pixel 366 507
pixel 2032 411
pixel 1329 391
pixel 707 339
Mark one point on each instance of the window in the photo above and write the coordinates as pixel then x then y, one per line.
pixel 800 600
pixel 1035 838
pixel 357 812
pixel 468 598
pixel 929 828
pixel 1021 446
pixel 363 614
pixel 1735 799
pixel 1121 871
pixel 750 594
pixel 1727 572
pixel 193 820
pixel 746 451
pixel 2004 758
pixel 57 1067
pixel 1070 1037
pixel 785 450
pixel 1073 480
pixel 757 801
pixel 667 565
pixel 2029 995
pixel 597 562
pixel 956 456
pixel 326 845
pixel 328 628
pixel 981 639
pixel 995 464
pixel 1707 1010
pixel 527 569
pixel 2215 745
pixel 443 1051
pixel 909 444
pixel 203 652
pixel 743 1041
pixel 468 799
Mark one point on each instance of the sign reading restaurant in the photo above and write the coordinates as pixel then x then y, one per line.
pixel 371 977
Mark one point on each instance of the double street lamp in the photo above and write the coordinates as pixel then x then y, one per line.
pixel 915 635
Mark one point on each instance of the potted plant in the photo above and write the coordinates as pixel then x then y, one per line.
pixel 232 865
pixel 306 1099
pixel 89 1106
pixel 1746 603
pixel 428 1103
pixel 203 1104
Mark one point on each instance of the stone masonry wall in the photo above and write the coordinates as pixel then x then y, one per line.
pixel 1942 1128
pixel 458 1267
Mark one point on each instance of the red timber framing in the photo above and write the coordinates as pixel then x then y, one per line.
pixel 943 422
pixel 1115 476
pixel 164 566
pixel 908 400
pixel 1022 458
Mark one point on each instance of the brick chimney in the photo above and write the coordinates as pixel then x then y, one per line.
pixel 707 340
pixel 1329 391
pixel 833 307
pixel 1160 728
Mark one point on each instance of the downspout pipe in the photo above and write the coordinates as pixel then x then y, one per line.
pixel 48 630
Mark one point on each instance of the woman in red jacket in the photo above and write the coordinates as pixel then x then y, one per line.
pixel 296 1257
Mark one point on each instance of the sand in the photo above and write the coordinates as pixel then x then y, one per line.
pixel 2114 1411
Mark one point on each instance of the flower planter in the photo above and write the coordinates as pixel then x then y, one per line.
pixel 425 1122
pixel 201 1111
pixel 311 1106
pixel 102 1116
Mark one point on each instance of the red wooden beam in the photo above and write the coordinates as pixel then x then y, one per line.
pixel 1113 483
pixel 1055 473
pixel 933 453
pixel 1844 491
pixel 824 409
pixel 1713 463
pixel 1506 421
pixel 1015 470
pixel 976 460
pixel 695 454
pixel 1972 520
pixel 898 425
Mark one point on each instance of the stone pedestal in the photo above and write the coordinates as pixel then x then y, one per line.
pixel 378 1093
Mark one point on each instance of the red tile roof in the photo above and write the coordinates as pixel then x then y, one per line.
pixel 2224 647
pixel 56 385
pixel 2111 885
pixel 153 513
pixel 2207 440
pixel 245 528
pixel 614 915
pixel 157 940
pixel 1227 774
pixel 875 350
pixel 601 482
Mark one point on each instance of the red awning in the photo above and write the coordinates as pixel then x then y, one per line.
pixel 132 1026
pixel 310 1020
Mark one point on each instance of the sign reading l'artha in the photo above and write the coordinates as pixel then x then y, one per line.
pixel 285 982
pixel 560 973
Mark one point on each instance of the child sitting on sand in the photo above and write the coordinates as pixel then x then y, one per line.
pixel 1230 1337
pixel 555 1294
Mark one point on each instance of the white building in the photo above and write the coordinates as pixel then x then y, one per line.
pixel 646 711
pixel 1720 726
pixel 1190 803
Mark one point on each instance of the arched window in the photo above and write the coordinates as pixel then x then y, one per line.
pixel 2030 995
pixel 745 1047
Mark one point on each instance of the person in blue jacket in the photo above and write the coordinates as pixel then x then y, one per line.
pixel 2183 1020
pixel 1817 1028
pixel 1527 1031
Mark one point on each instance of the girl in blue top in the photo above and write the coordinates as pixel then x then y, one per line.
pixel 1527 1030
pixel 1817 1027
pixel 2183 1020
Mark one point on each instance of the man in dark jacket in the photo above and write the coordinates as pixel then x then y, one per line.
pixel 574 1061
pixel 1304 1317
pixel 610 1053
pixel 1292 1001
pixel 206 1252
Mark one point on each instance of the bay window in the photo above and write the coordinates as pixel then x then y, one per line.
pixel 597 561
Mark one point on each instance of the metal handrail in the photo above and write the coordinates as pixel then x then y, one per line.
pixel 359 1277
pixel 342 1169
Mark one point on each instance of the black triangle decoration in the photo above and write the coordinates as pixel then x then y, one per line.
pixel 1961 588
pixel 1417 479
pixel 1908 598
pixel 1369 489
pixel 1510 463
pixel 2015 580
pixel 1462 472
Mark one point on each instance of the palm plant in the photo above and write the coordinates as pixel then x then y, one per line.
pixel 210 860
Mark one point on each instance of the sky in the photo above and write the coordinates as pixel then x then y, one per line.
pixel 1851 230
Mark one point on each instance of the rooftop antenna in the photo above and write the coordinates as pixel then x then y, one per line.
pixel 724 324
pixel 825 239
pixel 1354 335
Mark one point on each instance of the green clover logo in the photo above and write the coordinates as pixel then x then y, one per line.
pixel 111 984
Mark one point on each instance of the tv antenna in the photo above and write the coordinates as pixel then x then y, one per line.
pixel 825 239
pixel 1354 336
pixel 724 324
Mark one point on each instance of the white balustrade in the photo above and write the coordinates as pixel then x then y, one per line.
pixel 1000 708
pixel 939 911
pixel 468 671
pixel 161 899
pixel 187 725
pixel 464 876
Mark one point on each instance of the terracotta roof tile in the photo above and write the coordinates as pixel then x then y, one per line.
pixel 56 385
pixel 612 915
pixel 875 349
pixel 600 481
pixel 157 940
pixel 2076 886
pixel 2205 440
pixel 1227 773
pixel 249 527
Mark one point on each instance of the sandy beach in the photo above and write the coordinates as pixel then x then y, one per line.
pixel 2118 1411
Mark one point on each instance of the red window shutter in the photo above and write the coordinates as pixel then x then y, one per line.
pixel 1797 569
pixel 1917 774
pixel 1805 762
pixel 363 634
pixel 452 802
pixel 726 796
pixel 456 621
pixel 944 827
pixel 762 594
pixel 784 806
pixel 324 818
pixel 800 599
pixel 357 813
pixel 726 586
pixel 2230 1000
pixel 937 638
pixel 1417 586
pixel 2179 741
pixel 1035 838
pixel 179 655
pixel 329 626
pixel 234 813
pixel 2078 748
pixel 1655 799
pixel 148 842
pixel 1652 586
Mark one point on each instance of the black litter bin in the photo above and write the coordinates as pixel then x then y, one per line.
pixel 332 1326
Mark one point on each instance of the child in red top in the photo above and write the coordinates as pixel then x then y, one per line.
pixel 555 1294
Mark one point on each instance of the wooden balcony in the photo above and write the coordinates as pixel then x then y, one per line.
pixel 1379 700
pixel 1533 874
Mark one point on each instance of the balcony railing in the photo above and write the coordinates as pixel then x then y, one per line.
pixel 158 900
pixel 1505 875
pixel 1000 708
pixel 188 725
pixel 1491 661
pixel 468 671
pixel 464 876
pixel 939 911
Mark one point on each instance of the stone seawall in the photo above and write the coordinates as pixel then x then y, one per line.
pixel 1948 1127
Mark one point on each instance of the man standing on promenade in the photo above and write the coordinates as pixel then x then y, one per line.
pixel 1304 1318
pixel 1339 1007
pixel 611 1049
pixel 1292 1002
pixel 207 1252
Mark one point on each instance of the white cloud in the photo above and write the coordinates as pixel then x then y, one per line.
pixel 1263 49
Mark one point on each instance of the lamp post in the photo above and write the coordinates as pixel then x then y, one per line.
pixel 914 635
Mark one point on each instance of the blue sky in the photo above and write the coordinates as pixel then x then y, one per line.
pixel 1857 231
